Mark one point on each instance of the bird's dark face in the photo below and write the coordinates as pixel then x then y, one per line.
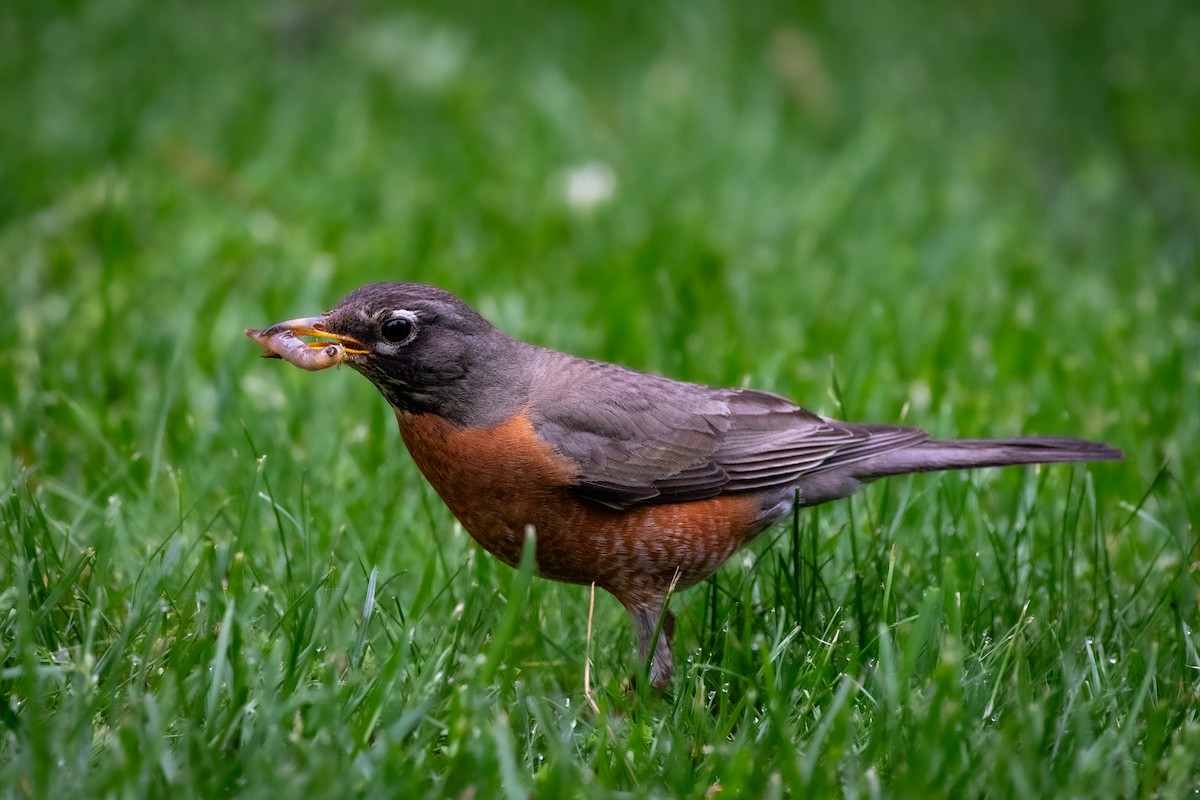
pixel 425 349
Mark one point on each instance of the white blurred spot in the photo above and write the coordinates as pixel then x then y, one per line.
pixel 589 185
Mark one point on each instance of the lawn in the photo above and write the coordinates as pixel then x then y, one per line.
pixel 222 576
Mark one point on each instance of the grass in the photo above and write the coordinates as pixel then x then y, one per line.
pixel 220 576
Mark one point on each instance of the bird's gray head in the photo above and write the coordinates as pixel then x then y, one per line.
pixel 426 350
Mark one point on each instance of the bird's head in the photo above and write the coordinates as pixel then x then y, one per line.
pixel 424 348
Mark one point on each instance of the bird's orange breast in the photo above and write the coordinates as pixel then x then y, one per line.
pixel 498 481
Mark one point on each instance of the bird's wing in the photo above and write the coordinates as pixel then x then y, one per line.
pixel 639 438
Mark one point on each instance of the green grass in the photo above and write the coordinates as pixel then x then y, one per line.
pixel 220 576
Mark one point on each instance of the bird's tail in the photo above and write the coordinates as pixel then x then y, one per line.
pixel 933 455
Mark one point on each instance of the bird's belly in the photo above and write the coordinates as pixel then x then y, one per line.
pixel 501 481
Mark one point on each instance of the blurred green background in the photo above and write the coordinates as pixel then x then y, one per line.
pixel 982 218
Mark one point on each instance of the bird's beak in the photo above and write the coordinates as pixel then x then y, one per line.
pixel 316 327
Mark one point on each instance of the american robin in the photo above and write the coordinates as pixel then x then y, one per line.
pixel 630 481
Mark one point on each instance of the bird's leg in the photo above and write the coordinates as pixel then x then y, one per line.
pixel 646 624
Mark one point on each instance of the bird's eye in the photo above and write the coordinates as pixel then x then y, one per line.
pixel 399 329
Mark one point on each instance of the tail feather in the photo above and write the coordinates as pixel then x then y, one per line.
pixel 933 455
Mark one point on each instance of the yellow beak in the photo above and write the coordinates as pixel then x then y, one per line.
pixel 316 328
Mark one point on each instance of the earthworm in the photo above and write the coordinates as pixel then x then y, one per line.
pixel 284 344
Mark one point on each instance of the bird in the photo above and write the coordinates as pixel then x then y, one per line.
pixel 639 484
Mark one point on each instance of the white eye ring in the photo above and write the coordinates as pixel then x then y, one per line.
pixel 399 328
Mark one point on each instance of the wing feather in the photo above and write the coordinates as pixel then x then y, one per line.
pixel 640 438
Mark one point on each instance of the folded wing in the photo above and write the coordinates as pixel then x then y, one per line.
pixel 644 439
